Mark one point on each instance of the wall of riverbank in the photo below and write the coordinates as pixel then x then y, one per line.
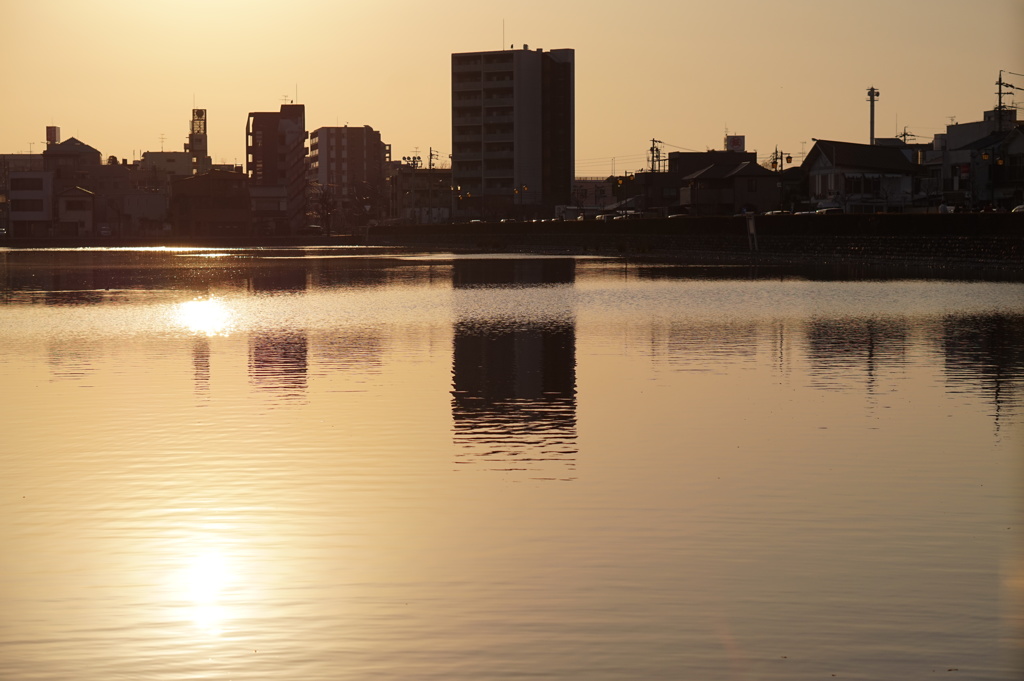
pixel 992 239
pixel 987 240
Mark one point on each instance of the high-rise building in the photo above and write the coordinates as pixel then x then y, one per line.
pixel 513 132
pixel 275 148
pixel 349 163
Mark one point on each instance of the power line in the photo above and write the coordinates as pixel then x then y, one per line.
pixel 674 146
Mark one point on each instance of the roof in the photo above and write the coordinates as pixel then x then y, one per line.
pixel 722 171
pixel 71 145
pixel 81 191
pixel 860 156
pixel 989 140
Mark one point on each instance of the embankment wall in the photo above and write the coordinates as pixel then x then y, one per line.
pixel 988 239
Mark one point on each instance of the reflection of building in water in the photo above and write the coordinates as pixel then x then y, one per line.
pixel 278 361
pixel 350 349
pixel 513 272
pixel 837 347
pixel 282 278
pixel 201 363
pixel 71 360
pixel 983 353
pixel 701 346
pixel 514 397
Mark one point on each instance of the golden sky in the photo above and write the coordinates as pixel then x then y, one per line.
pixel 122 75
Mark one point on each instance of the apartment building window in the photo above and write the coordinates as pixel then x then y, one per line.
pixel 26 205
pixel 26 184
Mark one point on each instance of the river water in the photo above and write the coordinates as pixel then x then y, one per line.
pixel 344 464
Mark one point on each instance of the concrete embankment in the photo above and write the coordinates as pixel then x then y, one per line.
pixel 957 243
pixel 988 240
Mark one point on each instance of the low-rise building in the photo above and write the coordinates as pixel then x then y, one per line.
pixel 214 204
pixel 30 203
pixel 730 188
pixel 420 195
pixel 76 211
pixel 859 178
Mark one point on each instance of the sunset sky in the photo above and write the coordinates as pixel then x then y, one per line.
pixel 123 75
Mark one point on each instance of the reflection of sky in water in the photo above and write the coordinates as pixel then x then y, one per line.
pixel 770 479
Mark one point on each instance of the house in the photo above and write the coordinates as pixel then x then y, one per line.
pixel 729 188
pixel 859 178
pixel 76 208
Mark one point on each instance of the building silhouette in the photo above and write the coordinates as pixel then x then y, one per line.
pixel 216 203
pixel 275 150
pixel 350 163
pixel 198 145
pixel 513 131
pixel 419 195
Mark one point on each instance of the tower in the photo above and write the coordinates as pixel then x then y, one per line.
pixel 197 143
pixel 872 97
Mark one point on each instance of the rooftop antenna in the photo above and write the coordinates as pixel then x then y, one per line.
pixel 872 97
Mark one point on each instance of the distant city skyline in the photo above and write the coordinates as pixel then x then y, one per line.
pixel 125 76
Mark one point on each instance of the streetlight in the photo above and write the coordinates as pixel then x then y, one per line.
pixel 519 192
pixel 993 164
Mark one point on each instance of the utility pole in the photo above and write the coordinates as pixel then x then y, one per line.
pixel 906 135
pixel 779 159
pixel 655 155
pixel 1000 107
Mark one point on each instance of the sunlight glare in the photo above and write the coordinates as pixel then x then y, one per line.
pixel 206 577
pixel 208 316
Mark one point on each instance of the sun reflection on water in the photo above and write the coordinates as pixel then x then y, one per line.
pixel 208 316
pixel 205 579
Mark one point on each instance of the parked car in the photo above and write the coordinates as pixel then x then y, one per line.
pixel 1018 209
pixel 829 211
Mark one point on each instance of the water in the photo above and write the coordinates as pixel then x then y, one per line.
pixel 327 464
